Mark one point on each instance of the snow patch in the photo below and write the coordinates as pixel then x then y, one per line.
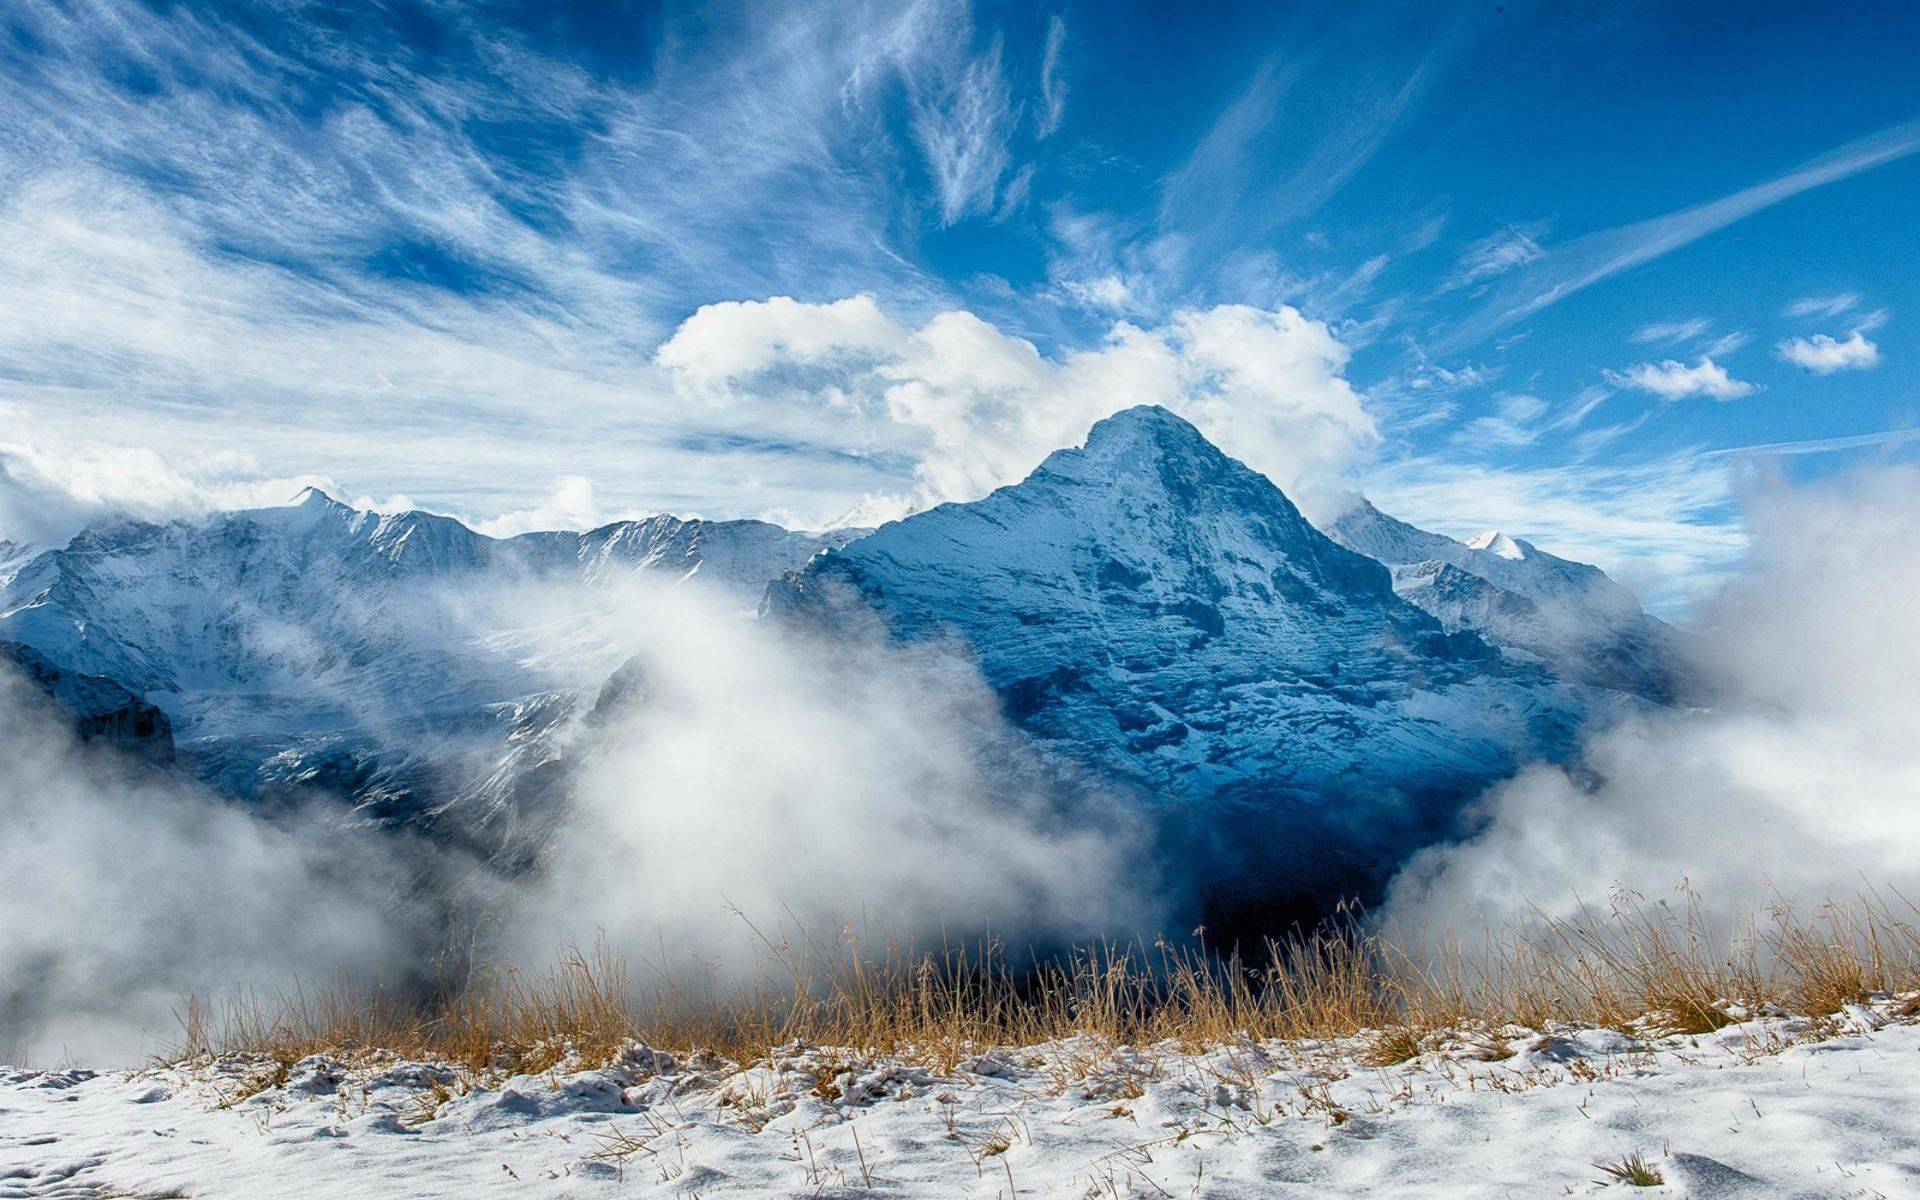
pixel 1785 1106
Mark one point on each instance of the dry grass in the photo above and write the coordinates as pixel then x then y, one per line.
pixel 1634 1170
pixel 1654 966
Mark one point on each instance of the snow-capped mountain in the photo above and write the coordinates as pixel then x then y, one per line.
pixel 1149 609
pixel 1155 609
pixel 1567 614
pixel 380 657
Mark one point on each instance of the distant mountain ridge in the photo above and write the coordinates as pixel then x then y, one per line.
pixel 313 646
pixel 1567 614
pixel 1297 709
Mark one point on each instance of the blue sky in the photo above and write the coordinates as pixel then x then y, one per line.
pixel 1555 268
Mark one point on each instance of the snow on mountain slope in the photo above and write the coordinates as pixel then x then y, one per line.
pixel 1149 606
pixel 739 557
pixel 13 556
pixel 374 656
pixel 1568 614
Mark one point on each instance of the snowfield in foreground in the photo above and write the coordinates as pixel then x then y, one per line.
pixel 1768 1108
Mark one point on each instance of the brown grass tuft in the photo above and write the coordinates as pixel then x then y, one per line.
pixel 1634 1170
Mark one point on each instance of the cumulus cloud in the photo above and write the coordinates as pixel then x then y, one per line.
pixel 1801 777
pixel 1823 354
pixel 980 408
pixel 734 338
pixel 1670 379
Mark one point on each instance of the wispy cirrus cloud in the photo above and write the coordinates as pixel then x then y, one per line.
pixel 1672 331
pixel 1286 144
pixel 1579 264
pixel 962 111
pixel 1512 423
pixel 1053 83
pixel 1495 255
pixel 1826 445
pixel 1837 305
pixel 325 247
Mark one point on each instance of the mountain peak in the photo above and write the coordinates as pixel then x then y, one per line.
pixel 313 499
pixel 1130 426
pixel 1148 450
pixel 1497 543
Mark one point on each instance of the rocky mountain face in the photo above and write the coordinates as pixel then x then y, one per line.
pixel 99 709
pixel 1567 615
pixel 384 658
pixel 1155 609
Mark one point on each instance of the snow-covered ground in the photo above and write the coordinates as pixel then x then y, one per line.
pixel 1769 1108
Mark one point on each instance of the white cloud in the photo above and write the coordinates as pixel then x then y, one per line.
pixel 1108 291
pixel 1584 402
pixel 1574 266
pixel 1823 354
pixel 737 338
pixel 1800 780
pixel 960 106
pixel 571 505
pixel 1518 406
pixel 1828 307
pixel 1512 424
pixel 1053 89
pixel 1725 344
pixel 976 408
pixel 1495 254
pixel 48 490
pixel 751 741
pixel 1257 169
pixel 127 888
pixel 1431 377
pixel 1483 432
pixel 202 260
pixel 1672 380
pixel 1672 331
